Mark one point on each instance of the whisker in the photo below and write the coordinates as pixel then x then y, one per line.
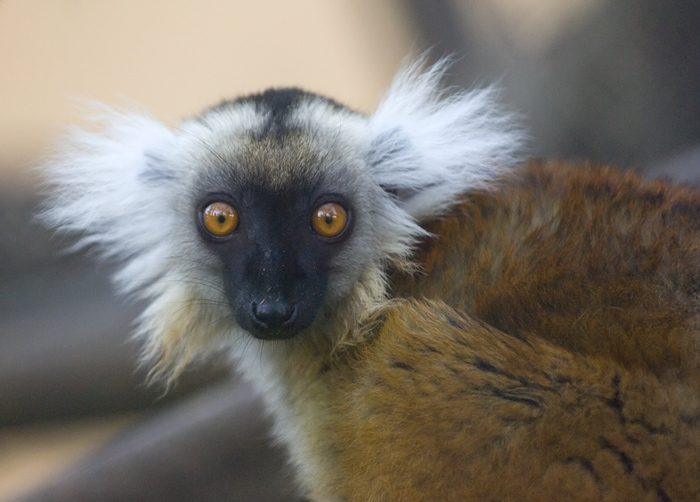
pixel 220 319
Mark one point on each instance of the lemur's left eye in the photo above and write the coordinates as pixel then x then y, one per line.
pixel 219 219
pixel 329 220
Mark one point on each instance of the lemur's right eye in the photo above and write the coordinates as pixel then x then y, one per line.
pixel 220 219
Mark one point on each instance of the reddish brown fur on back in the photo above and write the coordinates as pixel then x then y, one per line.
pixel 590 258
pixel 440 406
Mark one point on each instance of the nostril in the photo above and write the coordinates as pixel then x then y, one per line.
pixel 272 314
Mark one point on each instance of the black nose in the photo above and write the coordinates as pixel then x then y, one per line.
pixel 273 315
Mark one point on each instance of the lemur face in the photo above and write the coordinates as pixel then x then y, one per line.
pixel 276 252
pixel 275 206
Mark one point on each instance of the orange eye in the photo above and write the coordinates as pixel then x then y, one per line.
pixel 329 220
pixel 220 219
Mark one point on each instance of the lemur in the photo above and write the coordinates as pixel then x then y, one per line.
pixel 426 316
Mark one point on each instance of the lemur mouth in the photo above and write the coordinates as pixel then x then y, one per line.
pixel 269 334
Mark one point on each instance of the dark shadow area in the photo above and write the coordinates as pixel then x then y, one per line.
pixel 618 82
pixel 210 447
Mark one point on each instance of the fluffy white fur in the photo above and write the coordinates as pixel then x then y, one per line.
pixel 97 193
pixel 435 145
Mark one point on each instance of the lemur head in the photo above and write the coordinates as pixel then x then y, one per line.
pixel 272 216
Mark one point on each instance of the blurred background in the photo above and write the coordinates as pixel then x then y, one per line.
pixel 607 80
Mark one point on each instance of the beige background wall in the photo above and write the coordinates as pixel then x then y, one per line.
pixel 175 57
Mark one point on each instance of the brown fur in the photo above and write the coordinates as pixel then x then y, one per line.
pixel 557 360
pixel 443 407
pixel 590 258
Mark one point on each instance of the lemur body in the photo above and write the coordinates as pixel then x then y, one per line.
pixel 542 305
pixel 588 257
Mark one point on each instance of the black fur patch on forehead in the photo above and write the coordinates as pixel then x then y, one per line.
pixel 277 105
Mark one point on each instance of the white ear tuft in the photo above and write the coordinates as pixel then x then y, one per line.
pixel 429 146
pixel 111 188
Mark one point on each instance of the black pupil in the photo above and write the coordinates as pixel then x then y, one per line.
pixel 222 219
pixel 329 219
